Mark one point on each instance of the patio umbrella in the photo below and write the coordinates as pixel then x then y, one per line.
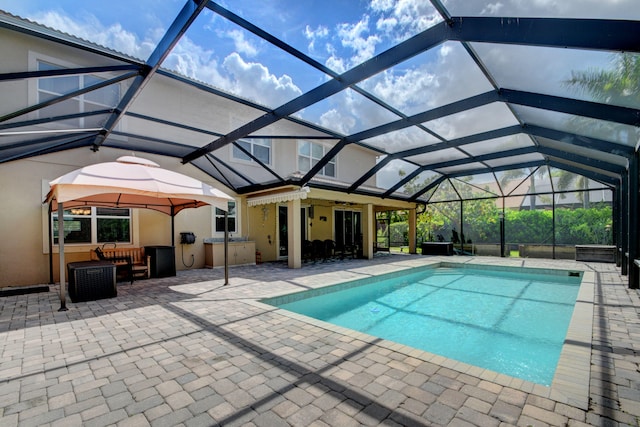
pixel 129 182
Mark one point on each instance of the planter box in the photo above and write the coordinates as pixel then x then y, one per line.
pixel 546 251
pixel 596 253
pixel 487 249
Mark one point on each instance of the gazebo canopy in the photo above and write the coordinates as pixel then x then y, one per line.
pixel 132 182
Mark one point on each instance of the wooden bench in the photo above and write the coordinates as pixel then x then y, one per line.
pixel 133 261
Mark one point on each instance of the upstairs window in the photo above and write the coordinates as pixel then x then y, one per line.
pixel 310 153
pixel 259 148
pixel 53 87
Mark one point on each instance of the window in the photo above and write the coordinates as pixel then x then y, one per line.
pixel 231 219
pixel 94 225
pixel 310 153
pixel 259 148
pixel 52 87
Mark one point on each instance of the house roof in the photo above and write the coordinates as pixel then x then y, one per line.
pixel 469 92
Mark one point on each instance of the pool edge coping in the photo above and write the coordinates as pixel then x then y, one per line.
pixel 570 384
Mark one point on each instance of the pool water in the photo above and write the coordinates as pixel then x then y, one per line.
pixel 508 322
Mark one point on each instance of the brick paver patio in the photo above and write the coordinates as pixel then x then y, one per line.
pixel 188 351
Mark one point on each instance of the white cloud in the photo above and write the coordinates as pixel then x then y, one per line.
pixel 320 32
pixel 492 9
pixel 355 36
pixel 242 45
pixel 382 5
pixel 254 81
pixel 196 62
pixel 404 18
pixel 338 121
pixel 336 63
pixel 608 9
pixel 114 36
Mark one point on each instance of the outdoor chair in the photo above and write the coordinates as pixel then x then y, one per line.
pixel 329 249
pixel 307 250
pixel 318 249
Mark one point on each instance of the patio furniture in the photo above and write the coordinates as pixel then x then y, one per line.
pixel 130 261
pixel 91 280
pixel 437 248
pixel 347 250
pixel 329 248
pixel 162 260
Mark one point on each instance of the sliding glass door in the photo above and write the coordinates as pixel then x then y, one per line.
pixel 348 229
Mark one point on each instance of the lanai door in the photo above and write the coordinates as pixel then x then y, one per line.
pixel 348 231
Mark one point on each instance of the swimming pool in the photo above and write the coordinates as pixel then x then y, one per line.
pixel 503 320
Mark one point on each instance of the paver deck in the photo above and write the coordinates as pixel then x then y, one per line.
pixel 189 351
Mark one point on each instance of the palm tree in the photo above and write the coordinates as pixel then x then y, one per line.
pixel 619 85
pixel 565 179
pixel 533 172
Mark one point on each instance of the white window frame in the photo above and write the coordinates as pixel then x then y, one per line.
pixel 93 217
pixel 253 143
pixel 34 89
pixel 314 160
pixel 215 216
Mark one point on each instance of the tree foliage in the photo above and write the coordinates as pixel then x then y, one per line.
pixel 482 224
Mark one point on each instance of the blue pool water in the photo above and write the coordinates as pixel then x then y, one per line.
pixel 504 321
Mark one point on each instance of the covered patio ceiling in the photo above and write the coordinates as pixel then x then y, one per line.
pixel 438 90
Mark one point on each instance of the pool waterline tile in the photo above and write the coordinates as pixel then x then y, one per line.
pixel 568 385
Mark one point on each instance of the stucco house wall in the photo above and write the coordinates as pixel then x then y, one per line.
pixel 24 252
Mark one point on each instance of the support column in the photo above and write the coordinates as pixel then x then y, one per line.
pixel 413 220
pixel 625 224
pixel 63 266
pixel 633 220
pixel 368 231
pixel 615 230
pixel 294 240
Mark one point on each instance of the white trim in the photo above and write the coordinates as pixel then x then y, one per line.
pixel 300 194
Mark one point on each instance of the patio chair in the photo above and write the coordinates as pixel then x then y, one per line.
pixel 329 249
pixel 307 250
pixel 318 249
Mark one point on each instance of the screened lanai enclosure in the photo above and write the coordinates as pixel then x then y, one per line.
pixel 545 213
pixel 510 123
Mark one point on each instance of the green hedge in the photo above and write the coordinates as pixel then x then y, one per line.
pixel 573 226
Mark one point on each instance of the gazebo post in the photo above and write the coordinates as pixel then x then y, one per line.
pixel 63 290
pixel 226 248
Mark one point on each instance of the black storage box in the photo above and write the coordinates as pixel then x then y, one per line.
pixel 163 260
pixel 437 248
pixel 91 280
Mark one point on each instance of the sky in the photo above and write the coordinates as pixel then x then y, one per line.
pixel 339 34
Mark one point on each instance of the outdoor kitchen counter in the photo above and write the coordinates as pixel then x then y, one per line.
pixel 241 252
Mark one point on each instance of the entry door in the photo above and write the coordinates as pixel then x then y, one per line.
pixel 283 235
